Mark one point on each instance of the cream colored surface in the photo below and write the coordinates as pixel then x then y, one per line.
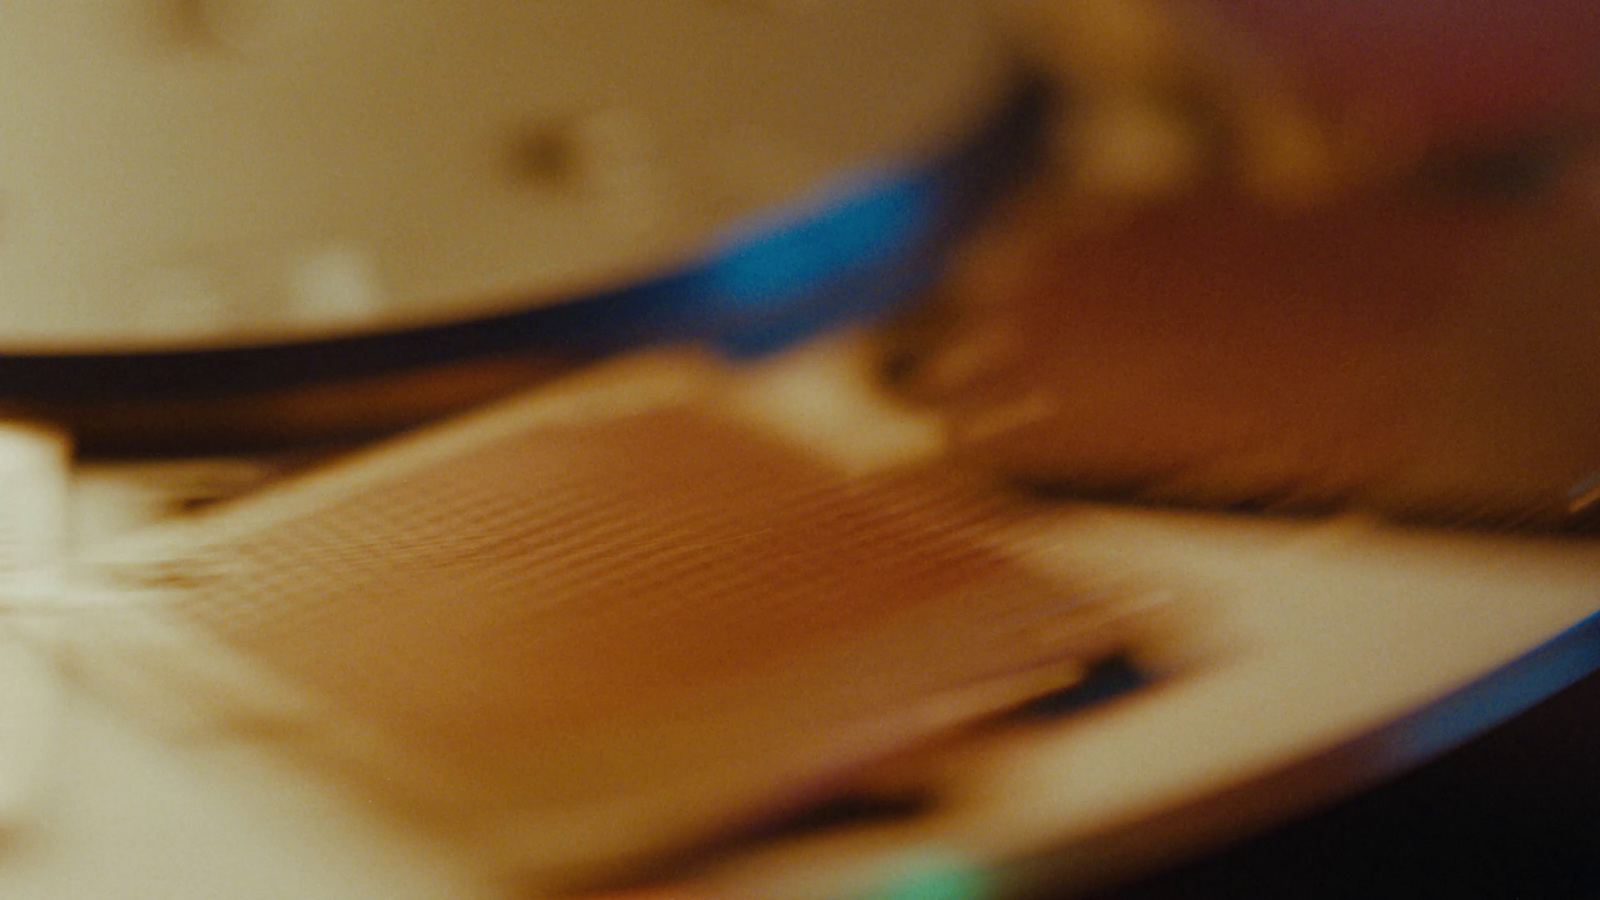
pixel 214 172
pixel 1305 636
pixel 34 478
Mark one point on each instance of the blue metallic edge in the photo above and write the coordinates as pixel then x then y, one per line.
pixel 1308 785
pixel 868 246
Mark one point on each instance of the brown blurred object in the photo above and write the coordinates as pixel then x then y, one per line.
pixel 1294 101
pixel 1166 97
pixel 1231 290
pixel 1464 77
pixel 1425 356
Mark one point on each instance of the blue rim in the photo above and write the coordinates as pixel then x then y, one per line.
pixel 1338 773
pixel 874 244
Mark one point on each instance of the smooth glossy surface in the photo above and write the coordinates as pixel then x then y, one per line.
pixel 182 174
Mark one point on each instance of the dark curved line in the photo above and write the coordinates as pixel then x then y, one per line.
pixel 860 266
pixel 1305 786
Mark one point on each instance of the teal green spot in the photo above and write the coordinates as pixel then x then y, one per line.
pixel 939 881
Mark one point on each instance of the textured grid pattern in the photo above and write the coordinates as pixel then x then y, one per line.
pixel 587 608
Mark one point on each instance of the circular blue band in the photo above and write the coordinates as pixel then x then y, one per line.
pixel 866 247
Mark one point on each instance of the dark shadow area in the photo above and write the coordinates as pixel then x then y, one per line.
pixel 1513 814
